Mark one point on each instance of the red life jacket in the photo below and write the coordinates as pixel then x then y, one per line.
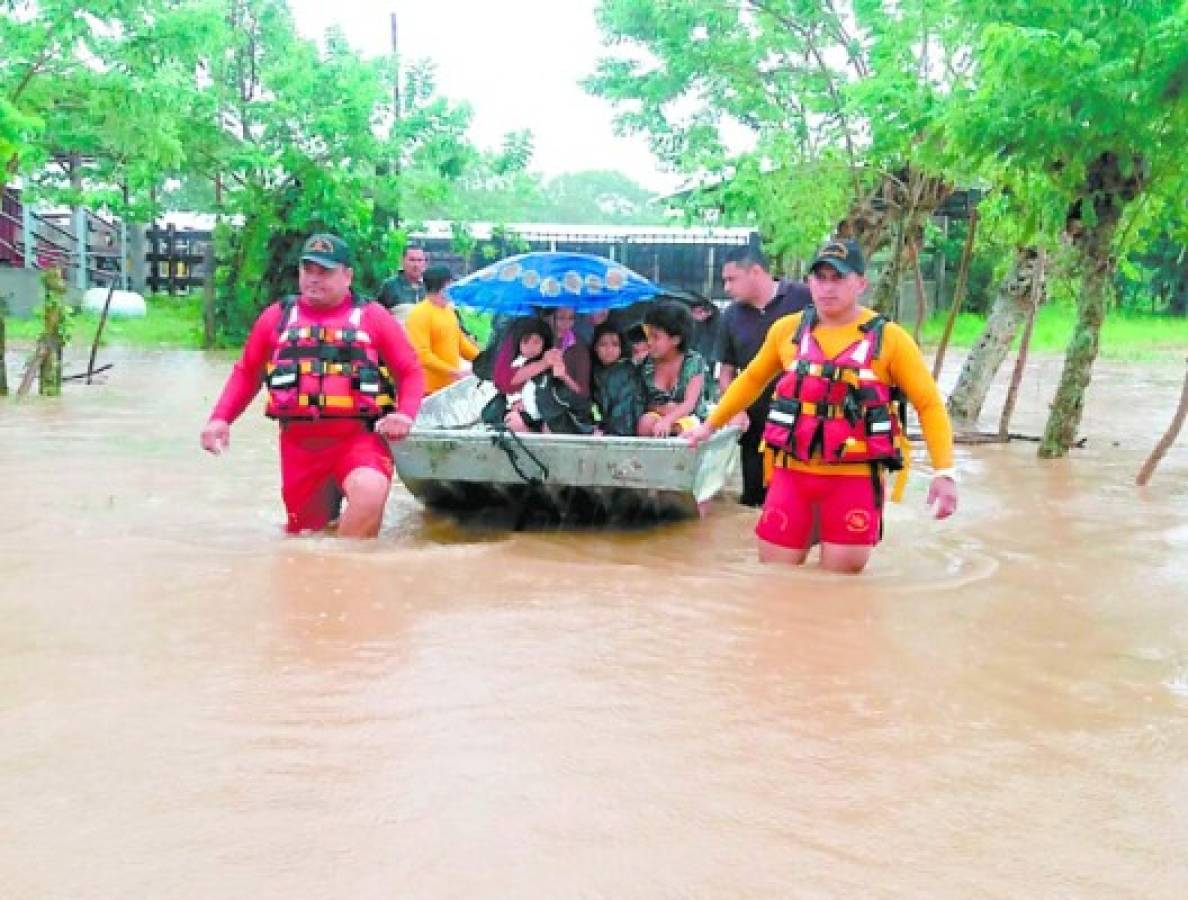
pixel 326 370
pixel 836 410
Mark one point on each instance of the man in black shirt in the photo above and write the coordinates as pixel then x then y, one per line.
pixel 759 300
pixel 406 286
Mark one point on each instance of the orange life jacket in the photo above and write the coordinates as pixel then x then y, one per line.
pixel 836 410
pixel 326 369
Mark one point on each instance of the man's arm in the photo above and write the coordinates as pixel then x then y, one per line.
pixel 907 368
pixel 248 373
pixel 754 379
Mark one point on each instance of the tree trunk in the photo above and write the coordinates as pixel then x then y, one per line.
pixel 921 300
pixel 885 297
pixel 958 294
pixel 1165 442
pixel 1068 406
pixel 51 361
pixel 1008 406
pixel 208 298
pixel 1108 188
pixel 988 354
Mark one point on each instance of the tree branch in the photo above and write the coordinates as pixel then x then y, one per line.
pixel 830 81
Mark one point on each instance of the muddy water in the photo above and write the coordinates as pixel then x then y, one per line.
pixel 192 706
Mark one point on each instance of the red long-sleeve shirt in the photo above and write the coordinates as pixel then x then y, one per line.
pixel 386 334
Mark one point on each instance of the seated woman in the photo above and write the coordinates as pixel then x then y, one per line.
pixel 567 405
pixel 536 390
pixel 614 385
pixel 673 375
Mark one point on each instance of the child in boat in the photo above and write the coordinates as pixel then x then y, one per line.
pixel 673 375
pixel 526 373
pixel 615 384
pixel 637 339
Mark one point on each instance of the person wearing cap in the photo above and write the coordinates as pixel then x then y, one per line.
pixel 407 286
pixel 436 336
pixel 759 301
pixel 342 381
pixel 836 420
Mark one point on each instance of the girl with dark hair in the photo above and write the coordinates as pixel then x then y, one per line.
pixel 673 375
pixel 526 373
pixel 537 391
pixel 615 384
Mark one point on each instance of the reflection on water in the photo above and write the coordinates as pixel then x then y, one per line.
pixel 194 706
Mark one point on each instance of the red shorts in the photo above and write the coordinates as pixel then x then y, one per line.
pixel 314 467
pixel 844 505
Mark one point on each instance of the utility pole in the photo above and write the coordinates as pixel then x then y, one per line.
pixel 395 217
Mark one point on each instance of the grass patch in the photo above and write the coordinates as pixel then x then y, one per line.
pixel 1124 336
pixel 173 323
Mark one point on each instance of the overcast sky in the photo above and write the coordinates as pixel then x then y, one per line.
pixel 517 62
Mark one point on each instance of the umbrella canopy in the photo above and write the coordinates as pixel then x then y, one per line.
pixel 518 284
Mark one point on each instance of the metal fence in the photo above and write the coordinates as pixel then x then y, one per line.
pixel 175 258
pixel 89 248
pixel 689 260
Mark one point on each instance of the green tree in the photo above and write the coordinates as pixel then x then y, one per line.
pixel 1081 106
pixel 834 102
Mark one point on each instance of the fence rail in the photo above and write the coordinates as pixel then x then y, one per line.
pixel 689 261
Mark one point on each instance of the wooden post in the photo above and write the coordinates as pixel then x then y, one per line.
pixel 921 301
pixel 32 367
pixel 99 330
pixel 958 294
pixel 1167 440
pixel 1037 292
pixel 51 361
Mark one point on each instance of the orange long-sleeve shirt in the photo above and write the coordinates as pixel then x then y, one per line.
pixel 899 363
pixel 439 342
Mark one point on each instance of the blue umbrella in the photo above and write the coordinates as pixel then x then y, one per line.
pixel 514 286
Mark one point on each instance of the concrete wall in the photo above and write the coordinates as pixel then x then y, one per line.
pixel 21 290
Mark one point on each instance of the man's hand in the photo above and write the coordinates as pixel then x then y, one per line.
pixel 699 435
pixel 742 421
pixel 216 436
pixel 943 492
pixel 394 426
pixel 663 427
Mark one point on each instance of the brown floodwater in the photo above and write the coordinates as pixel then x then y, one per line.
pixel 194 706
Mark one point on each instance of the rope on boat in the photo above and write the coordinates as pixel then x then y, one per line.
pixel 501 440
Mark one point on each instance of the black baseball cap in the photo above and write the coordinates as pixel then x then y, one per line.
pixel 844 256
pixel 328 250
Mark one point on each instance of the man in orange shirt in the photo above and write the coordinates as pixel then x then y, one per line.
pixel 837 419
pixel 436 335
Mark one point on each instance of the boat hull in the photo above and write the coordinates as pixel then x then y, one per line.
pixel 566 476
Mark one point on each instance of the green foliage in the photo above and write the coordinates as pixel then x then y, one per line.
pixel 1125 336
pixel 824 99
pixel 171 323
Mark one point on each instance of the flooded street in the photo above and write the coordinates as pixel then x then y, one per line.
pixel 194 706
